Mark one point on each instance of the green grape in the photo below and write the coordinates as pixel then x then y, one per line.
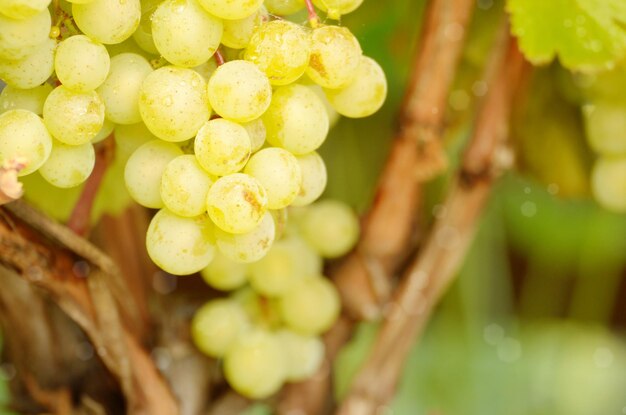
pixel 608 183
pixel 335 57
pixel 279 173
pixel 73 118
pixel 24 135
pixel 108 21
pixel 32 99
pixel 206 69
pixel 288 260
pixel 144 170
pixel 105 131
pixel 77 2
pixel 281 50
pixel 120 90
pixel 310 306
pixel 237 33
pixel 296 119
pixel 237 203
pixel 128 46
pixel 239 91
pixel 68 166
pixel 180 246
pixel 250 246
pixel 333 115
pixel 225 274
pixel 32 70
pixel 222 147
pixel 143 34
pixel 304 354
pixel 364 95
pixel 173 103
pixel 81 64
pixel 330 227
pixel 255 366
pixel 184 33
pixel 337 8
pixel 217 325
pixel 129 138
pixel 184 186
pixel 605 123
pixel 314 178
pixel 19 38
pixel 257 133
pixel 284 7
pixel 231 9
pixel 22 9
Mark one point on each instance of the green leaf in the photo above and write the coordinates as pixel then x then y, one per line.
pixel 586 35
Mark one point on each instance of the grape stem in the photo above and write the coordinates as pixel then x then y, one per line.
pixel 314 19
pixel 219 58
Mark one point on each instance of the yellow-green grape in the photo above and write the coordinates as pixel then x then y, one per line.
pixel 262 311
pixel 68 166
pixel 108 21
pixel 330 227
pixel 255 364
pixel 217 325
pixel 23 135
pixel 608 183
pixel 237 203
pixel 281 50
pixel 284 7
pixel 173 103
pixel 239 91
pixel 184 186
pixel 605 123
pixel 143 34
pixel 206 69
pixel 32 70
pixel 180 246
pixel 105 131
pixel 364 95
pixel 32 99
pixel 129 138
pixel 81 64
pixel 289 260
pixel 279 173
pixel 184 33
pixel 304 354
pixel 225 274
pixel 22 9
pixel 120 90
pixel 231 9
pixel 19 38
pixel 222 147
pixel 337 8
pixel 247 247
pixel 335 56
pixel 127 46
pixel 314 179
pixel 75 2
pixel 296 119
pixel 257 133
pixel 333 115
pixel 237 33
pixel 310 306
pixel 73 118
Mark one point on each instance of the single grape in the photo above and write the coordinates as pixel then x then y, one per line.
pixel 330 227
pixel 173 103
pixel 608 183
pixel 19 38
pixel 73 118
pixel 237 33
pixel 284 7
pixel 231 9
pixel 22 9
pixel 108 21
pixel 206 69
pixel 68 166
pixel 364 95
pixel 247 247
pixel 239 91
pixel 605 123
pixel 129 138
pixel 217 325
pixel 225 274
pixel 333 115
pixel 184 186
pixel 178 245
pixel 222 147
pixel 257 133
pixel 314 178
pixel 24 135
pixel 304 354
pixel 143 34
pixel 296 119
pixel 32 70
pixel 237 203
pixel 81 64
pixel 337 8
pixel 32 99
pixel 105 131
pixel 335 56
pixel 279 173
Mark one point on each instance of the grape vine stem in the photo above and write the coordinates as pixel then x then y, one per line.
pixel 314 19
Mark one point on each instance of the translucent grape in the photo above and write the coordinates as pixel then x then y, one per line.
pixel 239 91
pixel 364 95
pixel 608 183
pixel 257 133
pixel 120 90
pixel 184 33
pixel 605 123
pixel 310 306
pixel 217 325
pixel 206 69
pixel 279 173
pixel 19 38
pixel 333 115
pixel 225 274
pixel 247 247
pixel 173 103
pixel 68 166
pixel 143 34
pixel 281 50
pixel 105 131
pixel 24 135
pixel 284 7
pixel 222 147
pixel 337 8
pixel 129 138
pixel 330 227
pixel 73 117
pixel 108 21
pixel 231 9
pixel 237 33
pixel 32 70
pixel 296 119
pixel 81 64
pixel 237 203
pixel 32 99
pixel 184 186
pixel 335 56
pixel 304 354
pixel 144 170
pixel 22 9
pixel 262 311
pixel 314 179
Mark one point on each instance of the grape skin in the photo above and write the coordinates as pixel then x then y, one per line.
pixel 330 227
pixel 304 354
pixel 32 70
pixel 335 57
pixel 24 135
pixel 184 186
pixel 231 9
pixel 222 147
pixel 314 178
pixel 247 247
pixel 225 274
pixel 81 64
pixel 19 38
pixel 217 325
pixel 22 9
pixel 32 99
pixel 284 7
pixel 237 33
pixel 337 8
pixel 108 21
pixel 68 166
